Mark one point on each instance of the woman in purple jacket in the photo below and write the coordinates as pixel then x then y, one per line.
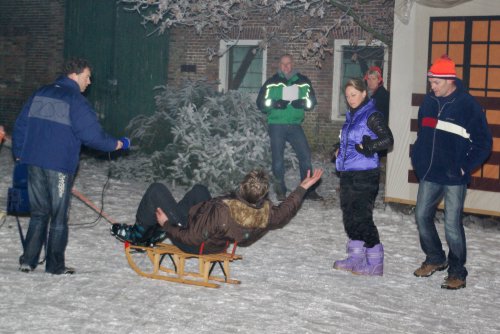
pixel 363 134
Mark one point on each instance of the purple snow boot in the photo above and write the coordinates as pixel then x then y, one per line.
pixel 355 256
pixel 374 265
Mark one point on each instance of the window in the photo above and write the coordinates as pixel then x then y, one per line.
pixel 474 44
pixel 353 62
pixel 242 67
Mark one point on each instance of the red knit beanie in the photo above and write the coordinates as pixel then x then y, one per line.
pixel 443 68
pixel 375 69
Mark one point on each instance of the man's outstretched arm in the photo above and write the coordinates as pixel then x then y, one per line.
pixel 309 181
pixel 281 214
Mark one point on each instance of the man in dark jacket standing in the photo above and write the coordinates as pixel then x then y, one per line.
pixel 377 91
pixel 453 139
pixel 201 224
pixel 48 134
pixel 284 98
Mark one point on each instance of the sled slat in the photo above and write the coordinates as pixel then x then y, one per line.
pixel 178 274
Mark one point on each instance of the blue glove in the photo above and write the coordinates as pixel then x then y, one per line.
pixel 126 143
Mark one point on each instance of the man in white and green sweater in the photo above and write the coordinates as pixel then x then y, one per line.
pixel 284 98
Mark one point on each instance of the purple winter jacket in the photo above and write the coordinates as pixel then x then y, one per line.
pixel 353 130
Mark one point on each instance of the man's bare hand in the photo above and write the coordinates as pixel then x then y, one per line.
pixel 311 180
pixel 161 217
pixel 2 133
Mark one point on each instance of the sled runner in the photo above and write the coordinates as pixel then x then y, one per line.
pixel 178 272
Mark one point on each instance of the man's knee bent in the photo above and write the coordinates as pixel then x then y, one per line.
pixel 202 191
pixel 156 188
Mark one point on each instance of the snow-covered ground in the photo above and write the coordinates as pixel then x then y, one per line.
pixel 288 284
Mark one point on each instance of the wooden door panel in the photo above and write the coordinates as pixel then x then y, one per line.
pixel 457 31
pixel 479 53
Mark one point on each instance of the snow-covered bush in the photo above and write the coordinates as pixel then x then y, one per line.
pixel 198 135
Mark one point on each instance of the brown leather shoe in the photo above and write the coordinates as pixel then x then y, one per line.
pixel 453 283
pixel 427 269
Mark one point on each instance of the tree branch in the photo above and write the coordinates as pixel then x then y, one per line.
pixel 349 11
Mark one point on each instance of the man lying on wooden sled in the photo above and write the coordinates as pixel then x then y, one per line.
pixel 200 221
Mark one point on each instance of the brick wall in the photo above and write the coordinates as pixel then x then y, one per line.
pixel 31 51
pixel 32 47
pixel 186 47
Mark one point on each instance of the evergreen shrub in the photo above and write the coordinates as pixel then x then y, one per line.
pixel 199 135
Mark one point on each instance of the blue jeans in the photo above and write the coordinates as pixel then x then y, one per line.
pixel 428 198
pixel 49 194
pixel 294 134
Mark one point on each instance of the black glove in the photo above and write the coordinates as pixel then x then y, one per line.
pixel 299 103
pixel 280 104
pixel 333 155
pixel 366 150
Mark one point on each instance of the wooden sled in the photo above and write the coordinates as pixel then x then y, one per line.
pixel 206 263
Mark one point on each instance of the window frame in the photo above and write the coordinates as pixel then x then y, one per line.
pixel 224 60
pixel 338 45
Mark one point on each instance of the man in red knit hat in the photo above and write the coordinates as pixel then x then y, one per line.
pixel 377 91
pixel 453 140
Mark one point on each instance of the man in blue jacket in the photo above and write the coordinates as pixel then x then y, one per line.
pixel 453 140
pixel 48 134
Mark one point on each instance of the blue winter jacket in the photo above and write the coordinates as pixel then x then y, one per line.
pixel 453 136
pixel 353 130
pixel 52 126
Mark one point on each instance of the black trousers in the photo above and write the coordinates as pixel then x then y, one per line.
pixel 159 196
pixel 358 190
